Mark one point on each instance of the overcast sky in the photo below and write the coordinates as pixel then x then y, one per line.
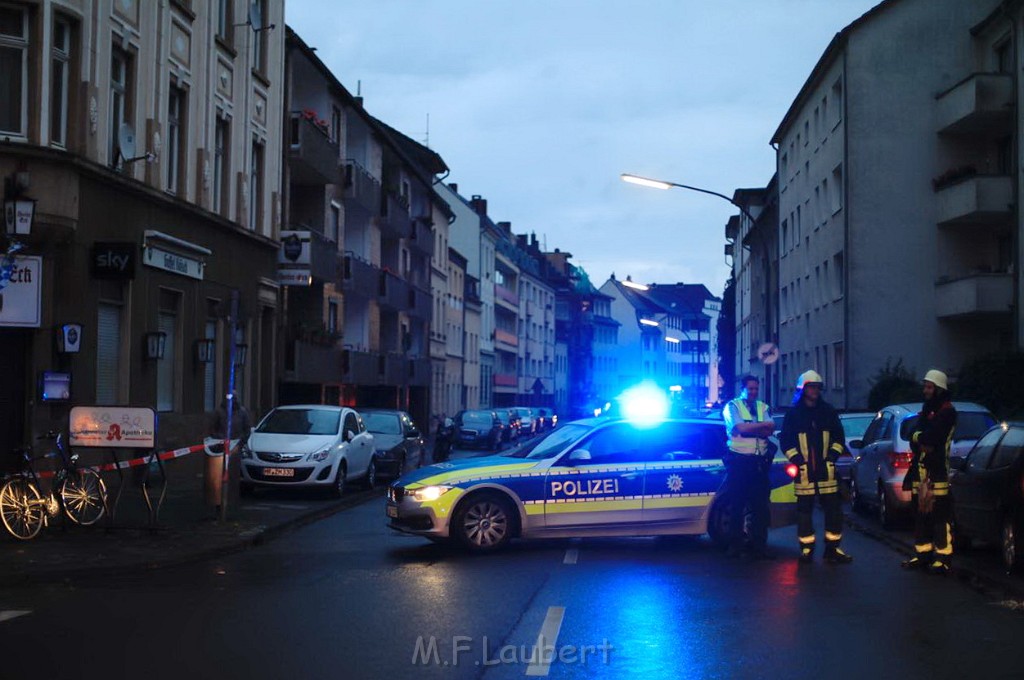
pixel 539 105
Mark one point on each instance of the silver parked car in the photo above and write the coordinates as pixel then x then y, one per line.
pixel 854 427
pixel 397 442
pixel 884 455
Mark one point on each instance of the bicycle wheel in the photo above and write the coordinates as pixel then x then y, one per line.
pixel 22 508
pixel 83 496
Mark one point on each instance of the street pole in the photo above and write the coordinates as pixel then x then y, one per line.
pixel 232 320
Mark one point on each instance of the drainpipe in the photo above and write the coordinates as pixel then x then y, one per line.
pixel 1015 240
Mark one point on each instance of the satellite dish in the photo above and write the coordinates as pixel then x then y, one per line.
pixel 255 16
pixel 768 353
pixel 126 140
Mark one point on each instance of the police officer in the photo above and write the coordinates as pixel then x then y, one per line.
pixel 748 424
pixel 812 438
pixel 928 477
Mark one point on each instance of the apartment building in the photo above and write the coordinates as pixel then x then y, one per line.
pixel 144 136
pixel 536 362
pixel 896 174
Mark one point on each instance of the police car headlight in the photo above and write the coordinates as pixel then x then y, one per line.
pixel 317 456
pixel 428 493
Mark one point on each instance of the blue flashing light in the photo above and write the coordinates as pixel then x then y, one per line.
pixel 645 405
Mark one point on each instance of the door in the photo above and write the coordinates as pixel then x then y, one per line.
pixel 359 450
pixel 606 489
pixel 683 471
pixel 969 500
pixel 863 470
pixel 878 443
pixel 14 362
pixel 997 484
pixel 412 444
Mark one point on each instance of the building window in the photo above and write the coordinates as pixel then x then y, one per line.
pixel 335 125
pixel 109 325
pixel 120 99
pixel 837 102
pixel 176 138
pixel 334 222
pixel 210 370
pixel 13 70
pixel 838 365
pixel 224 19
pixel 259 38
pixel 221 165
pixel 167 368
pixel 61 55
pixel 1004 57
pixel 837 189
pixel 255 186
pixel 837 271
pixel 332 317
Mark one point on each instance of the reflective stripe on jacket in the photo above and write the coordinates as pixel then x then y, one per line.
pixel 812 438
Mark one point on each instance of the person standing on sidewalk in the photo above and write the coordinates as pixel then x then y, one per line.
pixel 812 438
pixel 748 424
pixel 928 477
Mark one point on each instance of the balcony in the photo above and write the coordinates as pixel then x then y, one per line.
pixel 981 199
pixel 361 368
pixel 324 263
pixel 394 217
pixel 359 277
pixel 509 340
pixel 506 297
pixel 396 369
pixel 419 303
pixel 362 190
pixel 506 380
pixel 312 156
pixel 974 296
pixel 982 104
pixel 419 372
pixel 316 363
pixel 393 292
pixel 421 236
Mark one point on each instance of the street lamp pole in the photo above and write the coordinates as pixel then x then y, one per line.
pixel 662 184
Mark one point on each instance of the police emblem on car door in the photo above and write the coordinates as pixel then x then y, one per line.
pixel 600 481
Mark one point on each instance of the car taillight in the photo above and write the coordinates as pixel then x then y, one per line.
pixel 792 470
pixel 900 461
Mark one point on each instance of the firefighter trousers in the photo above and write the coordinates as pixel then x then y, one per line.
pixel 746 487
pixel 932 531
pixel 831 503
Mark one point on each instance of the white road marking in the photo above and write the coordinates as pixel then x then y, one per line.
pixel 540 664
pixel 571 555
pixel 8 614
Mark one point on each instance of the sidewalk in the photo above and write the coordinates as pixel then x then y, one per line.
pixel 980 568
pixel 187 530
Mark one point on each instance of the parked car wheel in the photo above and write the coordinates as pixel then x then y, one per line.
pixel 1010 544
pixel 370 480
pixel 484 522
pixel 884 511
pixel 338 490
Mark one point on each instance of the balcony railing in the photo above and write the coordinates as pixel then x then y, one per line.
pixel 973 296
pixel 421 236
pixel 419 303
pixel 979 199
pixel 359 277
pixel 506 380
pixel 419 372
pixel 362 190
pixel 312 156
pixel 316 363
pixel 980 104
pixel 506 295
pixel 394 216
pixel 507 338
pixel 361 368
pixel 393 292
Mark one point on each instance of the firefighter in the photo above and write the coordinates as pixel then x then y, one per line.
pixel 928 477
pixel 748 424
pixel 812 438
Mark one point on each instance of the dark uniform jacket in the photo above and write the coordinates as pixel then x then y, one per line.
pixel 813 439
pixel 930 442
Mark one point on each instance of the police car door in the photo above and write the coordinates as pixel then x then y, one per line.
pixel 684 464
pixel 598 482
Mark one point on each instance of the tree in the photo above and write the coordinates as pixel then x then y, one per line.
pixel 893 384
pixel 994 380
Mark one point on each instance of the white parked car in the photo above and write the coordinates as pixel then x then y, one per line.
pixel 309 446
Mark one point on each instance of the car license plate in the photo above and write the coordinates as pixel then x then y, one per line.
pixel 393 512
pixel 278 472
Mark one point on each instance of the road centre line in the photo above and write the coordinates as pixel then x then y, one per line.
pixel 8 614
pixel 540 664
pixel 571 555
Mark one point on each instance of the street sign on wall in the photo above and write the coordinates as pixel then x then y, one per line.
pixel 21 298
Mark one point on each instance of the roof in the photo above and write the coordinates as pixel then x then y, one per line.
pixel 1000 12
pixel 688 297
pixel 427 158
pixel 837 44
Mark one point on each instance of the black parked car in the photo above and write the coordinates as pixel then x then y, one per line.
pixel 988 493
pixel 399 444
pixel 510 424
pixel 478 428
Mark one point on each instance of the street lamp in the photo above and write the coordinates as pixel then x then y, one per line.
pixel 662 184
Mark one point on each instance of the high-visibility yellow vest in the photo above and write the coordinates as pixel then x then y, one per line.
pixel 747 445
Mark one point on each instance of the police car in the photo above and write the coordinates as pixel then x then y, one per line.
pixel 594 477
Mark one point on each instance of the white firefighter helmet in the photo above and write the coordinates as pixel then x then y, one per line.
pixel 808 378
pixel 937 378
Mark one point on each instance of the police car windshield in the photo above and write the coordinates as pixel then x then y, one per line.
pixel 551 444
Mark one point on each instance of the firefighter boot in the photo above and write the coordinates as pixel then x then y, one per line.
pixel 837 556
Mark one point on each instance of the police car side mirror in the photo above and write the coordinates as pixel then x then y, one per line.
pixel 958 463
pixel 579 455
pixel 857 444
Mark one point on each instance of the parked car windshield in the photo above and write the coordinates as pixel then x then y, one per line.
pixel 855 426
pixel 504 417
pixel 969 425
pixel 300 421
pixel 382 423
pixel 477 417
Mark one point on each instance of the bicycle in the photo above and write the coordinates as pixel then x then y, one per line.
pixel 79 492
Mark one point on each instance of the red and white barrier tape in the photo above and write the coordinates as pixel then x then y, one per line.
pixel 135 462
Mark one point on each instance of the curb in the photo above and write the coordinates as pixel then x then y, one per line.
pixel 985 584
pixel 231 546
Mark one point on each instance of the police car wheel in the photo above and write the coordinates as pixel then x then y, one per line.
pixel 483 523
